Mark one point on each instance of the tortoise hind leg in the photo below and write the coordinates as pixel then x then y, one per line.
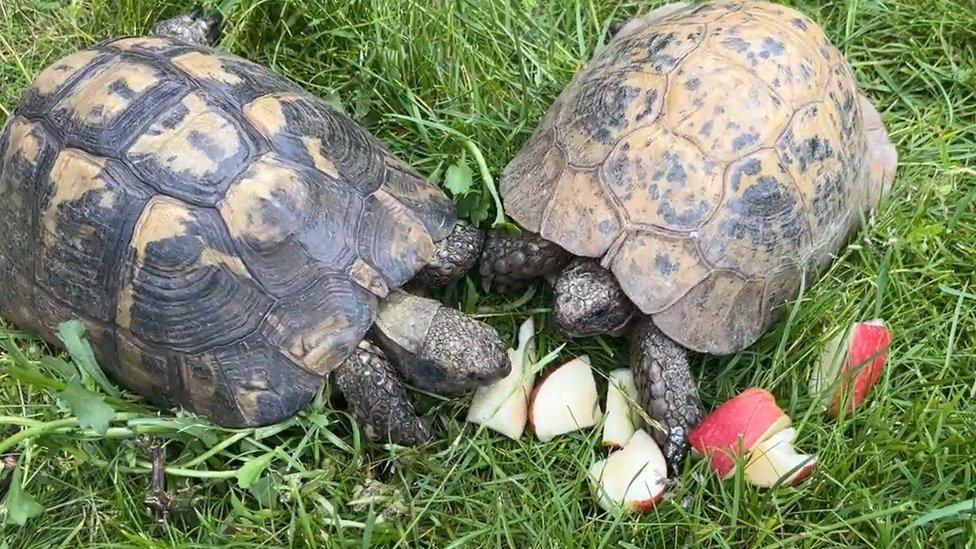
pixel 665 389
pixel 196 27
pixel 378 399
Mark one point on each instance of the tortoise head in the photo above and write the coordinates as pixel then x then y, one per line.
pixel 439 349
pixel 195 27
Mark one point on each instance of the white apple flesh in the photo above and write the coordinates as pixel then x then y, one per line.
pixel 503 406
pixel 775 461
pixel 622 418
pixel 633 478
pixel 564 401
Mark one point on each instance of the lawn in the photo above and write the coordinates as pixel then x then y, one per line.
pixel 444 83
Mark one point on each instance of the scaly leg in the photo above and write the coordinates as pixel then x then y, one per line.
pixel 510 262
pixel 378 399
pixel 665 389
pixel 454 256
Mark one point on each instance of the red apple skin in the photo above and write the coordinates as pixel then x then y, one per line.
pixel 647 506
pixel 748 416
pixel 535 390
pixel 803 474
pixel 867 354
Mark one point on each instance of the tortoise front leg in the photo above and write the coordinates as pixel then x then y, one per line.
pixel 453 257
pixel 510 262
pixel 665 388
pixel 193 28
pixel 378 399
pixel 439 349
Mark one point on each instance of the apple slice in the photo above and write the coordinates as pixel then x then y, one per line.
pixel 503 406
pixel 736 427
pixel 850 365
pixel 622 418
pixel 633 478
pixel 565 400
pixel 774 460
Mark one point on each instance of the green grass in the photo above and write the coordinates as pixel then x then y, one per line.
pixel 437 80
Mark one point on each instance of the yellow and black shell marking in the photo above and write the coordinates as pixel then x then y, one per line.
pixel 710 154
pixel 224 235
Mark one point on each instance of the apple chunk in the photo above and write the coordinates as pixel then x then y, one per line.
pixel 736 427
pixel 622 419
pixel 633 478
pixel 774 460
pixel 503 406
pixel 850 365
pixel 565 400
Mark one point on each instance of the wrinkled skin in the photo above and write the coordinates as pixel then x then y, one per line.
pixel 454 256
pixel 512 262
pixel 378 399
pixel 588 302
pixel 192 28
pixel 666 388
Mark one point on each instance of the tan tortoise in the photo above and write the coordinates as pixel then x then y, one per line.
pixel 228 239
pixel 701 164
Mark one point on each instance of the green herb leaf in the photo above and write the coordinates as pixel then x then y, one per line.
pixel 185 428
pixel 19 359
pixel 265 491
pixel 89 407
pixel 473 207
pixel 20 505
pixel 66 370
pixel 71 333
pixel 335 101
pixel 459 178
pixel 250 471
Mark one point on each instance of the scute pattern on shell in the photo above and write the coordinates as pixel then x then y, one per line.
pixel 224 236
pixel 710 155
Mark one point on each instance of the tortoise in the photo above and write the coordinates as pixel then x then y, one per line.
pixel 683 185
pixel 228 239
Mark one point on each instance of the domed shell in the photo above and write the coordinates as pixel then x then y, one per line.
pixel 710 155
pixel 224 236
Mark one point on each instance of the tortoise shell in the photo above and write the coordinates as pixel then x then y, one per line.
pixel 710 155
pixel 224 236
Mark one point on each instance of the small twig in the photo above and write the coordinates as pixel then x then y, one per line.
pixel 158 499
pixel 9 463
